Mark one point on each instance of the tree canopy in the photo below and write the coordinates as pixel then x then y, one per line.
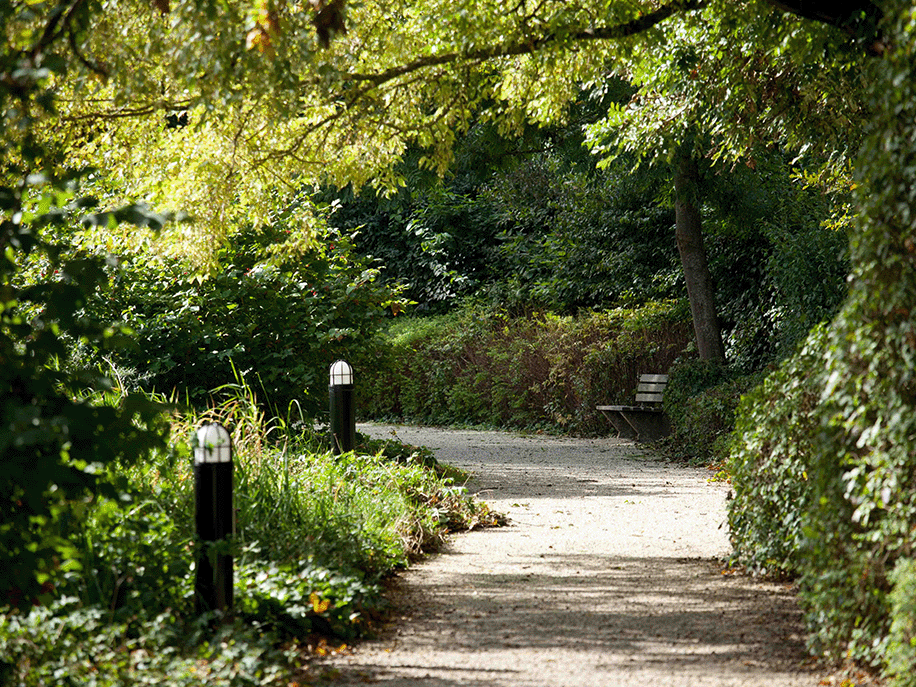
pixel 220 108
pixel 235 112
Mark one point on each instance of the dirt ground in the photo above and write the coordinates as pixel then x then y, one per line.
pixel 610 572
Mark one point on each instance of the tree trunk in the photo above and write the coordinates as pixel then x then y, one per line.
pixel 689 232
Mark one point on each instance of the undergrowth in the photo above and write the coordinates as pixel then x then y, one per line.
pixel 702 400
pixel 316 536
pixel 538 372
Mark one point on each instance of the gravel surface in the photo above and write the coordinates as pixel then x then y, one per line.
pixel 610 572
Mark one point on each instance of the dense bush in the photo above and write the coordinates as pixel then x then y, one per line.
pixel 770 465
pixel 825 461
pixel 901 649
pixel 701 400
pixel 437 242
pixel 541 371
pixel 279 323
pixel 839 519
pixel 55 439
pixel 570 239
pixel 804 508
pixel 545 232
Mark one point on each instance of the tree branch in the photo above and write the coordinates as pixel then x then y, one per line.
pixel 63 12
pixel 616 32
pixel 835 12
pixel 89 64
pixel 129 112
pixel 858 18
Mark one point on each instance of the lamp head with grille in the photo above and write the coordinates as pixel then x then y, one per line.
pixel 214 445
pixel 341 374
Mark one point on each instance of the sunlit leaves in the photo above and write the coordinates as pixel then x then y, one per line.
pixel 277 105
pixel 742 75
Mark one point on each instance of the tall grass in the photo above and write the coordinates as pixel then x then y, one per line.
pixel 315 537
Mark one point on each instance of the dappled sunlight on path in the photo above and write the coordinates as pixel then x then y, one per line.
pixel 609 573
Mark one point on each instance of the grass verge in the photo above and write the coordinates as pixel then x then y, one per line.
pixel 316 537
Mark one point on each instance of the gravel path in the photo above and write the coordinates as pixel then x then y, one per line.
pixel 609 573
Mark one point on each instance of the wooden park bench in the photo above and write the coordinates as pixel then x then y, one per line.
pixel 645 421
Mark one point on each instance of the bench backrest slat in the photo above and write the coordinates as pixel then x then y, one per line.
pixel 651 388
pixel 648 398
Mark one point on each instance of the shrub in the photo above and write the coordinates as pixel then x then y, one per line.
pixel 770 464
pixel 813 502
pixel 571 239
pixel 278 323
pixel 701 399
pixel 901 651
pixel 542 371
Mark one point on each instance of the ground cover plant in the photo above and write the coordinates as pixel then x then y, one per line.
pixel 316 537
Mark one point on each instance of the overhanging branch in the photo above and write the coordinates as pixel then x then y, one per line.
pixel 838 13
pixel 526 47
pixel 860 19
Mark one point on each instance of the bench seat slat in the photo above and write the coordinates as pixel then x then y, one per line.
pixel 618 409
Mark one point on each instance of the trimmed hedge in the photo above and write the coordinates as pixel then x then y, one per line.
pixel 541 371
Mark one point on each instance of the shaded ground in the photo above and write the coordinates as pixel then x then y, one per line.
pixel 609 573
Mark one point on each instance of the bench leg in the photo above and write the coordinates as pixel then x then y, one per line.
pixel 624 429
pixel 649 425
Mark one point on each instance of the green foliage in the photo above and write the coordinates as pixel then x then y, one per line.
pixel 542 371
pixel 771 467
pixel 133 556
pixel 865 463
pixel 542 230
pixel 315 536
pixel 779 270
pixel 55 439
pixel 822 472
pixel 571 239
pixel 901 647
pixel 279 323
pixel 299 599
pixel 795 510
pixel 437 244
pixel 738 74
pixel 66 644
pixel 701 400
pixel 689 378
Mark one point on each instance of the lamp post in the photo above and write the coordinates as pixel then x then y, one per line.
pixel 343 415
pixel 213 516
